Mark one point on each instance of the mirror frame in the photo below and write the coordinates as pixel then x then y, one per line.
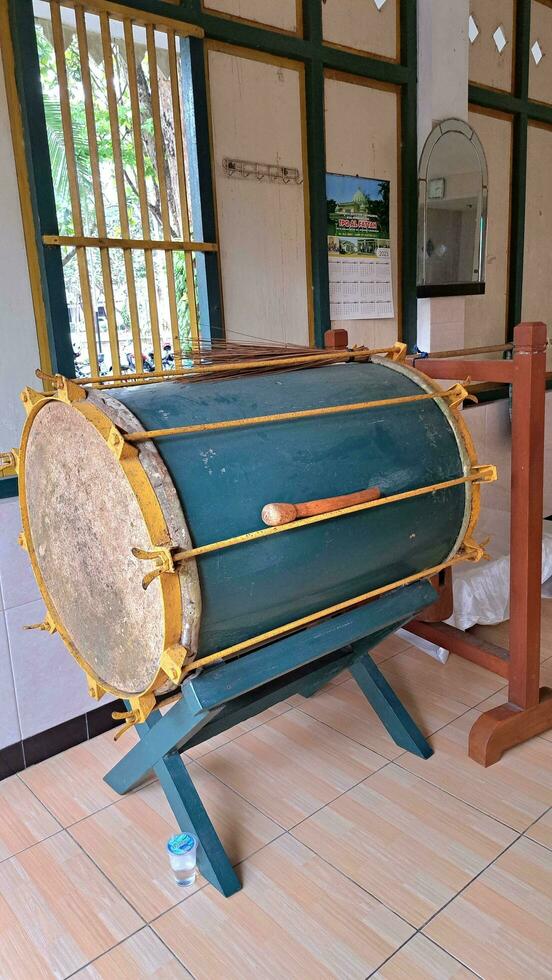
pixel 423 289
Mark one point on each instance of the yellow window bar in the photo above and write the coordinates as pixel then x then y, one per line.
pixel 141 17
pixel 171 239
pixel 184 211
pixel 470 553
pixel 141 244
pixel 160 151
pixel 456 394
pixel 92 135
pixel 120 184
pixel 142 187
pixel 73 181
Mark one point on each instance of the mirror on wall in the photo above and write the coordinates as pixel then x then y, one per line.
pixel 452 212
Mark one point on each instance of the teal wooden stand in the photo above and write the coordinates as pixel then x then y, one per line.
pixel 225 695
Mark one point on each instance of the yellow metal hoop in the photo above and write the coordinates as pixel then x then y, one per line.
pixel 173 654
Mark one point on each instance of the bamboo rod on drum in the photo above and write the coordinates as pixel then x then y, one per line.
pixel 86 80
pixel 297 358
pixel 73 181
pixel 145 435
pixel 268 637
pixel 467 351
pixel 185 216
pixel 486 474
pixel 120 184
pixel 304 360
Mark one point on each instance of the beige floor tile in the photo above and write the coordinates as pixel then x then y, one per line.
pixel 495 699
pixel 296 917
pixel 23 819
pixel 390 647
pixel 128 840
pixel 541 831
pixel 409 844
pixel 346 709
pixel 415 672
pixel 500 925
pixel 142 957
pixel 245 726
pixel 345 675
pixel 57 911
pixel 71 784
pixel 421 959
pixel 291 766
pixel 516 790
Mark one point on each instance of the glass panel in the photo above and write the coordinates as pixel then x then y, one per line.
pixel 453 212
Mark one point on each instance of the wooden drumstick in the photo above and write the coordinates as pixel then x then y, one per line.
pixel 277 513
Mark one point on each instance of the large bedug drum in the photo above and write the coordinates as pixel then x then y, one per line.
pixel 103 508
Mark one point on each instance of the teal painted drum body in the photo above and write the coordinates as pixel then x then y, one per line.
pixel 224 478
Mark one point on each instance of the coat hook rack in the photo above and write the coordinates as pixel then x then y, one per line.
pixel 272 172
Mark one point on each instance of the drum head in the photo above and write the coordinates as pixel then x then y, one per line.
pixel 84 519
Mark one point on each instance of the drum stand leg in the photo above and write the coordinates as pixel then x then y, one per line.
pixel 226 694
pixel 389 708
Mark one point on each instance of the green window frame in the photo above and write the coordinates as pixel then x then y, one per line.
pixel 317 56
pixel 523 110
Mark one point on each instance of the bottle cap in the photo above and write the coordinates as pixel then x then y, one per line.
pixel 181 843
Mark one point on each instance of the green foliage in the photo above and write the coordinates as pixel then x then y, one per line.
pixel 103 140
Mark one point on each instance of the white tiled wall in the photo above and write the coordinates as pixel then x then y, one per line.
pixel 40 684
pixel 489 425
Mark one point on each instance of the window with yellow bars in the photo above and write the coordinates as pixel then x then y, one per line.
pixel 112 89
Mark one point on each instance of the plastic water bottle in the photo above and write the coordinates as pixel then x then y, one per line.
pixel 182 855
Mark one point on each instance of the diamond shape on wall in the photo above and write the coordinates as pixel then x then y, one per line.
pixel 537 52
pixel 499 39
pixel 473 30
pixel 380 3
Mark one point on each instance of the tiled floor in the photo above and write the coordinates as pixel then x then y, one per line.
pixel 357 860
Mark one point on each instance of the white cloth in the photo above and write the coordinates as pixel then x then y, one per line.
pixel 482 591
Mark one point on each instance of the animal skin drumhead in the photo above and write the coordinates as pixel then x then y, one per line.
pixel 84 521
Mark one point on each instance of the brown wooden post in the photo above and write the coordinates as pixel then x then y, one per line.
pixel 336 339
pixel 529 710
pixel 528 403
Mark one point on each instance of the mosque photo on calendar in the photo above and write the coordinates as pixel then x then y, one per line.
pixel 358 215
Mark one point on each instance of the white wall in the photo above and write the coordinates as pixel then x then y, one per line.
pixel 369 151
pixel 443 54
pixel 40 684
pixel 18 344
pixel 256 116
